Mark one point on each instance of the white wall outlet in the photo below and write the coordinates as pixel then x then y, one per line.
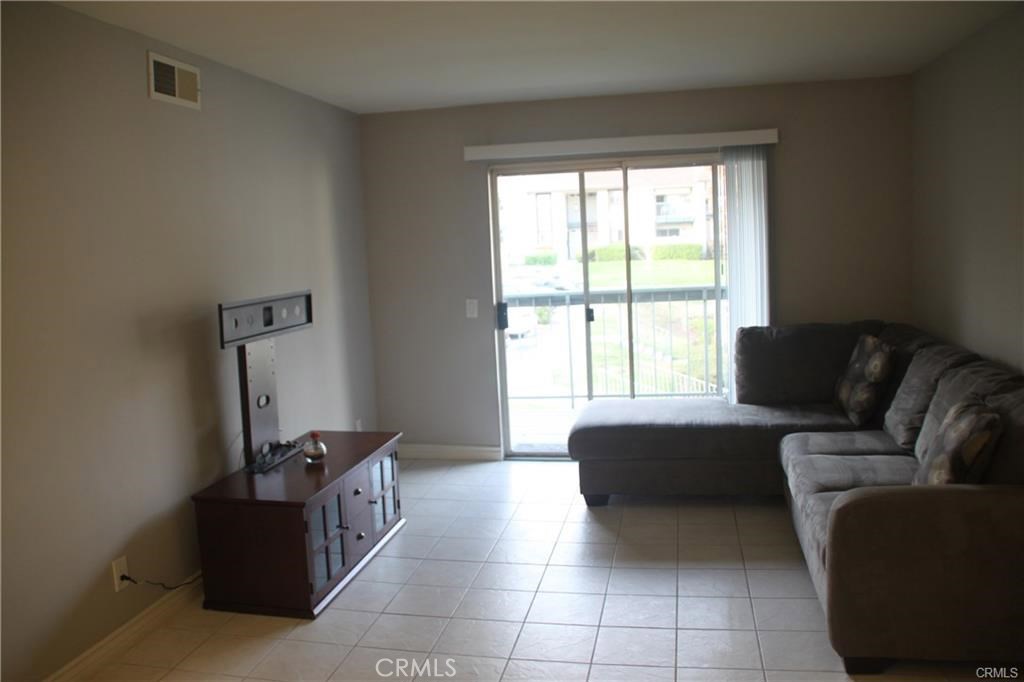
pixel 359 425
pixel 119 566
pixel 472 308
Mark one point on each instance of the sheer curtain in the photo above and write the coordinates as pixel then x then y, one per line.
pixel 747 244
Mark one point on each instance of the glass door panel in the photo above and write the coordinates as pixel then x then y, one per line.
pixel 606 267
pixel 541 219
pixel 675 295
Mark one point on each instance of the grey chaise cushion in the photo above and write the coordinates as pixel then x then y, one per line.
pixel 795 364
pixel 906 415
pixel 693 428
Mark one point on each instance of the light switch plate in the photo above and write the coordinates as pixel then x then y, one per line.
pixel 472 308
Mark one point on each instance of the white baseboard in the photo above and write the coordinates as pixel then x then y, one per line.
pixel 86 663
pixel 465 452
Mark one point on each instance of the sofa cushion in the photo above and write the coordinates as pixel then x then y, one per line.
pixel 961 449
pixel 795 364
pixel 860 388
pixel 905 340
pixel 841 443
pixel 982 378
pixel 1007 466
pixel 906 415
pixel 692 428
pixel 810 474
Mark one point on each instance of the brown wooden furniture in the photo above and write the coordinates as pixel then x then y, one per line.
pixel 285 542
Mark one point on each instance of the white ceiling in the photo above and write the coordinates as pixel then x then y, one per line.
pixel 380 56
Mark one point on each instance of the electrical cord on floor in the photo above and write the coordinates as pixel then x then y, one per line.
pixel 156 583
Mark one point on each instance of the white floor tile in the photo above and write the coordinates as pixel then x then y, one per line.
pixel 495 605
pixel 566 609
pixel 566 643
pixel 499 576
pixel 363 595
pixel 445 573
pixel 582 554
pixel 712 582
pixel 545 671
pixel 580 579
pixel 639 611
pixel 630 673
pixel 405 633
pixel 164 647
pixel 334 626
pixel 784 584
pixel 228 655
pixel 623 646
pixel 789 614
pixel 715 613
pixel 642 581
pixel 426 600
pixel 488 638
pixel 307 661
pixel 799 651
pixel 718 649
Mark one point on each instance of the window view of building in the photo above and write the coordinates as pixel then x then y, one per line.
pixel 673 331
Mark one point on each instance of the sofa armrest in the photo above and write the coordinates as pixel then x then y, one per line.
pixel 932 572
pixel 794 364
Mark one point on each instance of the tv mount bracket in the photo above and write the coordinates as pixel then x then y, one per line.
pixel 250 326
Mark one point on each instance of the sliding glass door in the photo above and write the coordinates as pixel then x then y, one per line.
pixel 609 283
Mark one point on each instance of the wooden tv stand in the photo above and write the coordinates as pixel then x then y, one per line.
pixel 285 542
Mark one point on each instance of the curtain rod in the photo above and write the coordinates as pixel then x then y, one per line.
pixel 619 145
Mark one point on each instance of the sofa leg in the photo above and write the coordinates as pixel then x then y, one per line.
pixel 865 666
pixel 596 500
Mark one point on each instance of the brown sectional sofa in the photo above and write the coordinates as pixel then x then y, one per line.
pixel 902 571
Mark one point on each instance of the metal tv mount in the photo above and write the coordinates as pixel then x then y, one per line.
pixel 250 326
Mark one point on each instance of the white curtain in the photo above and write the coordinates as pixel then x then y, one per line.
pixel 747 244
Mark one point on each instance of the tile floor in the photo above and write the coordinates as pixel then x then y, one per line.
pixel 504 573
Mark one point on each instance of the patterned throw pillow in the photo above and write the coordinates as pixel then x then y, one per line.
pixel 859 390
pixel 961 450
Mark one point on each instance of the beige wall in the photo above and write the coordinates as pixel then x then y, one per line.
pixel 840 184
pixel 968 192
pixel 125 221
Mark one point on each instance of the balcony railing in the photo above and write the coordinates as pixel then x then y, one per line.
pixel 675 339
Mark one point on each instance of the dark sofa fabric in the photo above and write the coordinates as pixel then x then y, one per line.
pixel 693 428
pixel 905 416
pixel 795 364
pixel 1007 466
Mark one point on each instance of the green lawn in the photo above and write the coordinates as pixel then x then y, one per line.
pixel 656 273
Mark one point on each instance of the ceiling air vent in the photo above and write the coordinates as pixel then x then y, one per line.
pixel 173 81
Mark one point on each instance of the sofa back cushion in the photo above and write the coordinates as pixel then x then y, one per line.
pixel 961 449
pixel 905 341
pixel 905 417
pixel 1007 466
pixel 794 364
pixel 981 377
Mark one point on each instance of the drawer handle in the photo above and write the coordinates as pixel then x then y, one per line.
pixel 360 536
pixel 357 491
